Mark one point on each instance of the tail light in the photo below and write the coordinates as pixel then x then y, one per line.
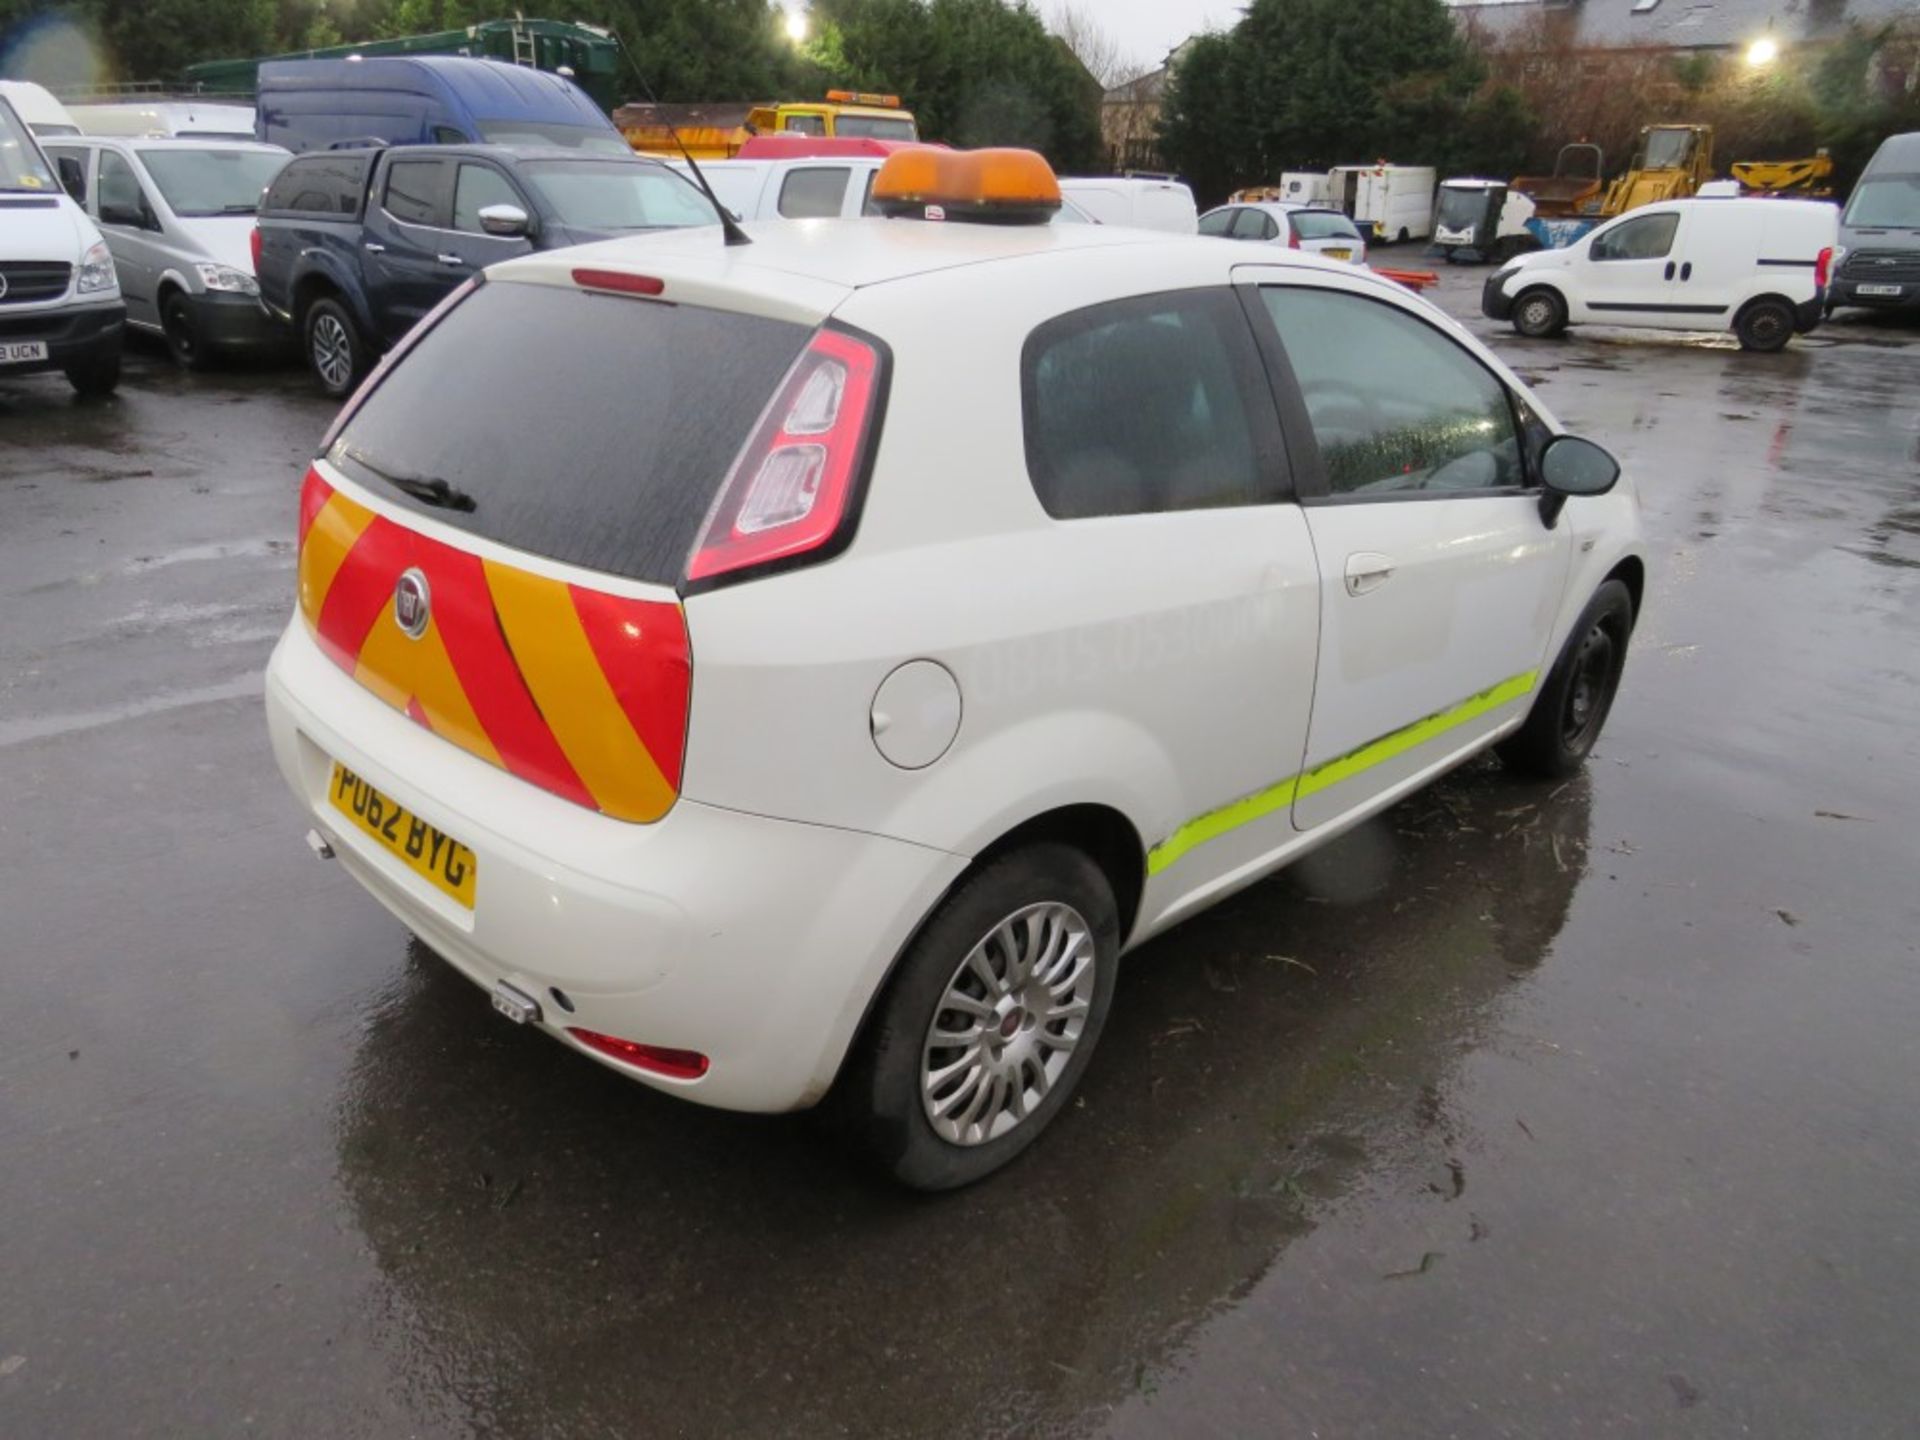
pixel 1293 237
pixel 253 247
pixel 793 491
pixel 1822 267
pixel 674 1064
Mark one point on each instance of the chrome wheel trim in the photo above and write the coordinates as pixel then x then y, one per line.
pixel 1536 313
pixel 332 351
pixel 1007 1024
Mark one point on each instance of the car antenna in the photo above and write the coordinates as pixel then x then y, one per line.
pixel 729 226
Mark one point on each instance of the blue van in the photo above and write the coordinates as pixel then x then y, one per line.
pixel 426 100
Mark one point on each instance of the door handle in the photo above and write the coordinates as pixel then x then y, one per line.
pixel 1669 269
pixel 1367 571
pixel 450 260
pixel 374 247
pixel 1686 271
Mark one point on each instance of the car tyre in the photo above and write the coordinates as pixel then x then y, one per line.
pixel 182 336
pixel 95 377
pixel 1018 958
pixel 1570 709
pixel 1539 314
pixel 1765 325
pixel 337 353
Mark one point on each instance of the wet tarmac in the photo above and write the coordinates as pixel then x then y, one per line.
pixel 1529 1110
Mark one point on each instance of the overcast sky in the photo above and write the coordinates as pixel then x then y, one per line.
pixel 1148 29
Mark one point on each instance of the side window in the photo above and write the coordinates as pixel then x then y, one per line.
pixel 71 166
pixel 867 207
pixel 119 186
pixel 447 135
pixel 1395 405
pixel 806 124
pixel 1149 404
pixel 478 187
pixel 1217 222
pixel 813 192
pixel 1254 225
pixel 1649 237
pixel 416 192
pixel 320 184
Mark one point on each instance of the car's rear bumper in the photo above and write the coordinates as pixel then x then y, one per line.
pixel 755 942
pixel 75 335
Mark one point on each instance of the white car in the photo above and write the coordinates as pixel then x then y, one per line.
pixel 1757 267
pixel 1312 228
pixel 891 622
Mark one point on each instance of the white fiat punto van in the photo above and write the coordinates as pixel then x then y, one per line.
pixel 1753 266
pixel 892 621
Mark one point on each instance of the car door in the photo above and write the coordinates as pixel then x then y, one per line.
pixel 1153 445
pixel 404 241
pixel 476 185
pixel 130 224
pixel 1629 274
pixel 1439 581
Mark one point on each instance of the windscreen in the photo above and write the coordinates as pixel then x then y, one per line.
pixel 1322 225
pixel 1892 203
pixel 606 455
pixel 591 138
pixel 1461 209
pixel 874 127
pixel 595 195
pixel 21 164
pixel 212 182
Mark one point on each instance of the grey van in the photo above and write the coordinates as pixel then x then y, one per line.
pixel 1880 231
pixel 178 217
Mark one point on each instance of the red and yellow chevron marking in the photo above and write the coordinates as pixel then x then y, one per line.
pixel 581 692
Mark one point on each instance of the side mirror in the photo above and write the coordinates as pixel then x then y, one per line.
pixel 1572 466
pixel 507 222
pixel 73 178
pixel 115 212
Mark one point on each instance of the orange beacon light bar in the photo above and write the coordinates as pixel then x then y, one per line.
pixel 1009 187
pixel 860 97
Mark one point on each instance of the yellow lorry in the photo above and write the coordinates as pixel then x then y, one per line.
pixel 717 131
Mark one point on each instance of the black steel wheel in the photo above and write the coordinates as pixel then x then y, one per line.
pixel 1571 707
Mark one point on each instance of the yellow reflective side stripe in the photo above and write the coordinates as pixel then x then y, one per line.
pixel 400 669
pixel 550 646
pixel 1215 823
pixel 334 532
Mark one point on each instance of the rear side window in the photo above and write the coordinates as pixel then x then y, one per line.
pixel 816 192
pixel 607 456
pixel 1146 405
pixel 1254 225
pixel 330 184
pixel 420 192
pixel 1218 222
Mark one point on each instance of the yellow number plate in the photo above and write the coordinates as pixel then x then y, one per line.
pixel 432 854
pixel 1338 254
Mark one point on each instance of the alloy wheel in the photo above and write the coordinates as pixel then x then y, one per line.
pixel 332 352
pixel 1007 1024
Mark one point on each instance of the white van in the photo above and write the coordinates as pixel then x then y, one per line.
pixel 1756 267
pixel 1142 204
pixel 45 116
pixel 178 217
pixel 1396 201
pixel 60 306
pixel 195 119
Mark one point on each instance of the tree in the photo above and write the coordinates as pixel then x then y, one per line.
pixel 1095 46
pixel 1305 84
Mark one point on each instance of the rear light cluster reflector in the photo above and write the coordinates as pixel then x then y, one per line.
pixel 1823 267
pixel 674 1064
pixel 793 486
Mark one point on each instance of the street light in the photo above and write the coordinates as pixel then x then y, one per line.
pixel 797 26
pixel 1763 51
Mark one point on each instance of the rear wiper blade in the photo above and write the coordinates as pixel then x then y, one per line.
pixel 243 207
pixel 427 489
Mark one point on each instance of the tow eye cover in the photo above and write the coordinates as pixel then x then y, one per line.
pixel 916 714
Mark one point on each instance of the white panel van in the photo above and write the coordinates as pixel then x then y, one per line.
pixel 1756 267
pixel 1139 203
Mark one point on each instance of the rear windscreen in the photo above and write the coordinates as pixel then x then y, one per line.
pixel 319 185
pixel 1323 225
pixel 592 429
